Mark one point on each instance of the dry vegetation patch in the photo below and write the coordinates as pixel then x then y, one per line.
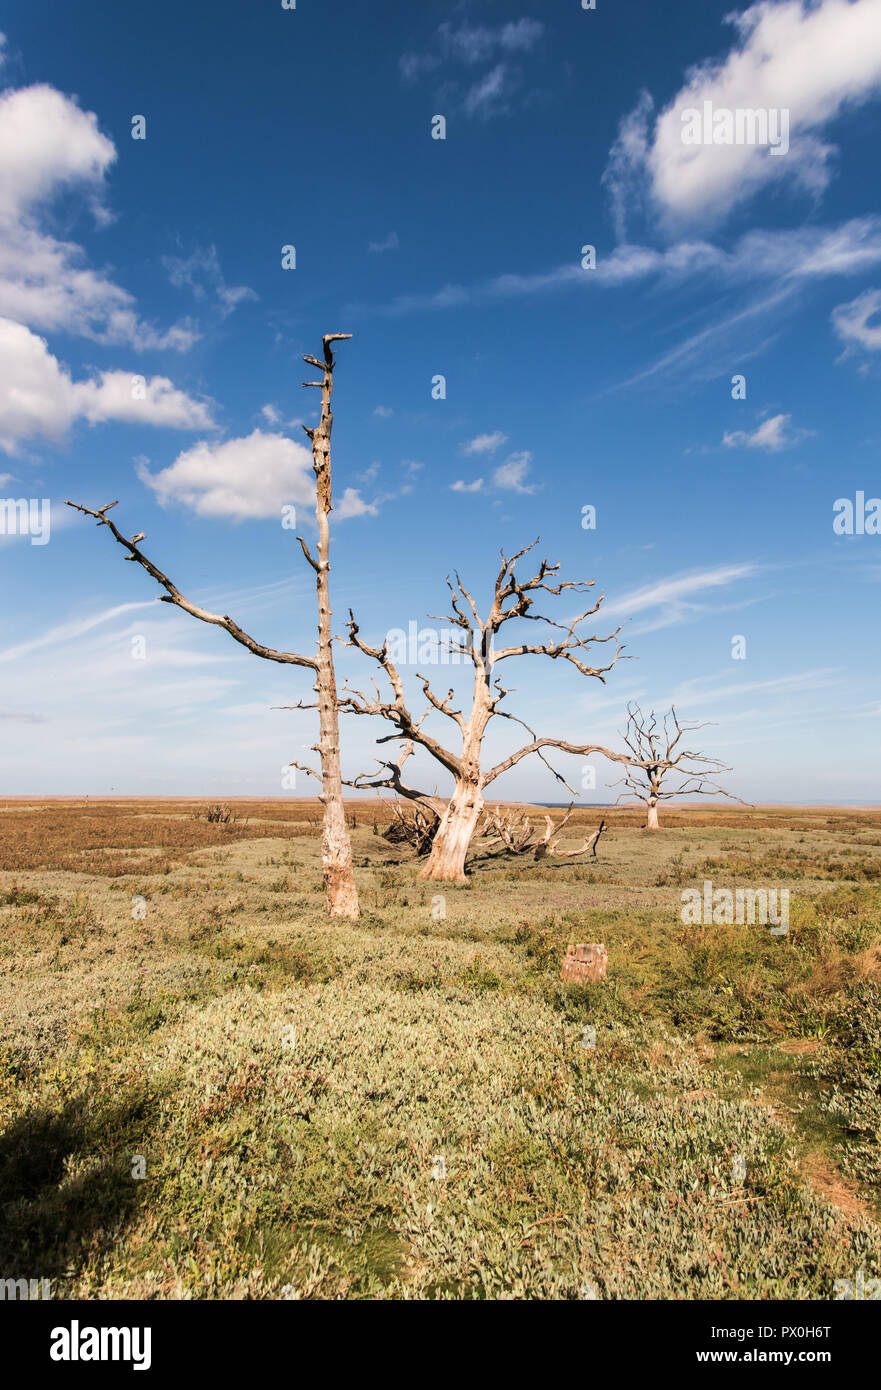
pixel 292 1083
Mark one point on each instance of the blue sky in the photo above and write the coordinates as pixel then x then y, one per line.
pixel 565 387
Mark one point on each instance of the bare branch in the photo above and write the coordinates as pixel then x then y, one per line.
pixel 309 771
pixel 174 595
pixel 395 711
pixel 581 750
pixel 393 780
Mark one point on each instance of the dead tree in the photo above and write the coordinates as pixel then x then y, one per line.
pixel 514 830
pixel 657 761
pixel 420 826
pixel 336 851
pixel 416 828
pixel 513 599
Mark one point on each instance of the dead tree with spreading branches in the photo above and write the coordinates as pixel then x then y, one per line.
pixel 514 830
pixel 659 770
pixel 513 600
pixel 336 851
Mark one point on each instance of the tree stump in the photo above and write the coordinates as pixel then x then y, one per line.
pixel 585 964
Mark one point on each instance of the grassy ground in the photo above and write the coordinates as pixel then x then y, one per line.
pixel 411 1106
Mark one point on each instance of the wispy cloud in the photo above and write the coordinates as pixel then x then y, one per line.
pixel 790 259
pixel 389 243
pixel 200 272
pixel 73 628
pixel 467 46
pixel 672 599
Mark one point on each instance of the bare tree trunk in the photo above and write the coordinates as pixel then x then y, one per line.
pixel 336 848
pixel 446 863
pixel 651 820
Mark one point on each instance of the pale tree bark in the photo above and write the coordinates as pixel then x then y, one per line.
pixel 656 762
pixel 513 829
pixel 336 847
pixel 446 863
pixel 341 894
pixel 513 599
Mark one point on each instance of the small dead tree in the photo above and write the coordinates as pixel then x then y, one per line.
pixel 514 830
pixel 659 769
pixel 336 851
pixel 513 599
pixel 419 827
pixel 412 827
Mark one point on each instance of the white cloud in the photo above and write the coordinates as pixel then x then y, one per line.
pixel 242 479
pixel 811 58
pixel 772 435
pixel 46 143
pixel 508 477
pixel 112 397
pixel 39 398
pixel 49 146
pixel 383 412
pixel 352 504
pixel 851 321
pixel 485 443
pixel 511 473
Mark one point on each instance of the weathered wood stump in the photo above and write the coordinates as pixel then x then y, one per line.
pixel 586 963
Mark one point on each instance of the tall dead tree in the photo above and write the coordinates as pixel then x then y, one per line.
pixel 513 599
pixel 658 769
pixel 336 851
